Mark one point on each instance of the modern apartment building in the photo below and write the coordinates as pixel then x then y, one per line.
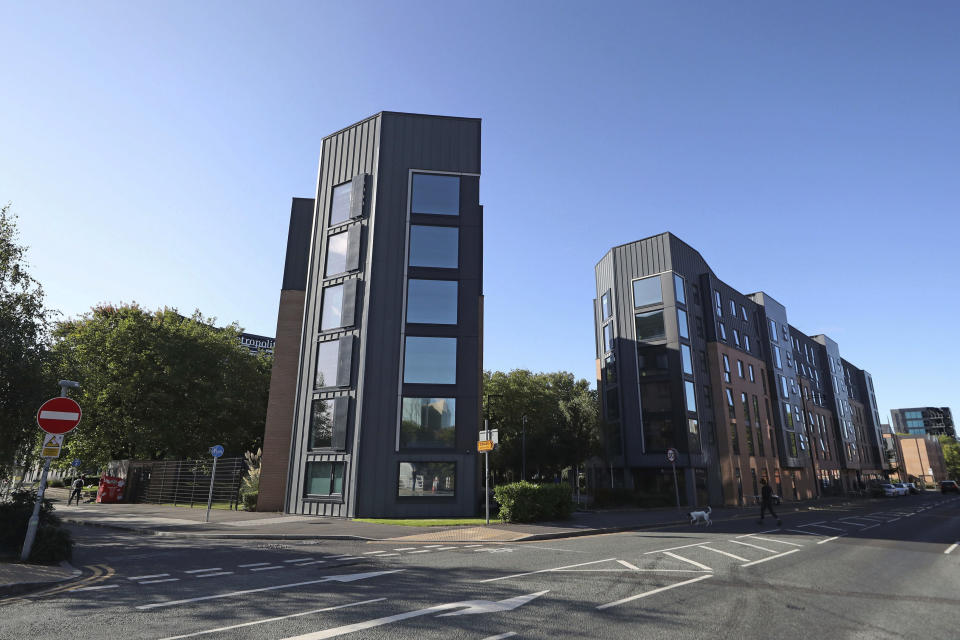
pixel 386 404
pixel 934 421
pixel 688 362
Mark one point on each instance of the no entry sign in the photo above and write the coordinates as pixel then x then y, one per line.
pixel 58 415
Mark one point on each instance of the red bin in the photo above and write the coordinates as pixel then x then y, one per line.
pixel 110 489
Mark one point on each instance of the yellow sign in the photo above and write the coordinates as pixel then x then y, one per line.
pixel 484 445
pixel 51 445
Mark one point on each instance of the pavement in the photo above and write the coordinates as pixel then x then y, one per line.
pixel 874 569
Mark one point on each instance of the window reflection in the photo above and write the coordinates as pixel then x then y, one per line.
pixel 432 301
pixel 436 194
pixel 430 360
pixel 340 204
pixel 332 315
pixel 336 254
pixel 427 480
pixel 328 354
pixel 428 422
pixel 434 247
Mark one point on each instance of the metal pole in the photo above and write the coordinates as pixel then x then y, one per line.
pixel 523 422
pixel 486 470
pixel 676 489
pixel 213 474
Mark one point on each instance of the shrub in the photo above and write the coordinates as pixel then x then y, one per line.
pixel 250 487
pixel 528 502
pixel 52 543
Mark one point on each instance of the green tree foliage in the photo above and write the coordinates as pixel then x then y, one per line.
pixel 158 385
pixel 24 341
pixel 562 420
pixel 951 456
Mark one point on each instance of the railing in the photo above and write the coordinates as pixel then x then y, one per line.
pixel 185 482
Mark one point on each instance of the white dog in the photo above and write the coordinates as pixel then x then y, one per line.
pixel 696 517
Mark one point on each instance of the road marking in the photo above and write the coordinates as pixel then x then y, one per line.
pixel 871 518
pixel 445 548
pixel 268 568
pixel 652 592
pixel 823 526
pixel 685 546
pixel 292 615
pixel 350 577
pixel 530 573
pixel 421 551
pixel 350 558
pixel 432 546
pixel 412 548
pixel 467 546
pixel 468 606
pixel 508 634
pixel 792 544
pixel 894 519
pixel 97 587
pixel 303 564
pixel 858 524
pixel 747 535
pixel 343 555
pixel 628 565
pixel 810 524
pixel 693 562
pixel 370 553
pixel 156 581
pixel 253 564
pixel 871 526
pixel 156 575
pixel 203 570
pixel 806 533
pixel 735 557
pixel 299 559
pixel 779 555
pixel 755 546
pixel 833 538
pixel 216 573
pixel 384 555
pixel 952 547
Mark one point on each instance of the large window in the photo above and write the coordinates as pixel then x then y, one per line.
pixel 428 423
pixel 434 247
pixel 611 369
pixel 324 478
pixel 332 314
pixel 436 194
pixel 647 291
pixel 726 367
pixel 430 360
pixel 328 356
pixel 427 480
pixel 684 328
pixel 650 325
pixel 691 395
pixel 608 337
pixel 678 286
pixel 321 424
pixel 432 301
pixel 605 306
pixel 340 204
pixel 686 359
pixel 336 254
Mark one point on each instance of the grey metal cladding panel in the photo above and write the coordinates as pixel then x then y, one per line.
pixel 298 244
pixel 440 144
pixel 353 247
pixel 348 308
pixel 345 361
pixel 341 422
pixel 357 195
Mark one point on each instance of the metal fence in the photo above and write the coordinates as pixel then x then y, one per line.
pixel 185 482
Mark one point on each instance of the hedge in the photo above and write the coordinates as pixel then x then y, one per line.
pixel 52 543
pixel 528 502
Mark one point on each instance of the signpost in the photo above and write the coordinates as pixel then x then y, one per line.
pixel 56 416
pixel 488 438
pixel 672 457
pixel 216 451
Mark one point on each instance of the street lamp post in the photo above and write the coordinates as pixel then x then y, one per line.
pixel 523 444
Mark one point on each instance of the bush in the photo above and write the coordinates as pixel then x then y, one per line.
pixel 52 543
pixel 528 502
pixel 250 487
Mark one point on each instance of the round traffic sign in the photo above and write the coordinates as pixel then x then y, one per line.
pixel 216 450
pixel 672 455
pixel 59 415
pixel 76 463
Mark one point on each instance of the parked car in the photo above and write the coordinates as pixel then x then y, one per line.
pixel 912 488
pixel 889 490
pixel 947 486
pixel 902 488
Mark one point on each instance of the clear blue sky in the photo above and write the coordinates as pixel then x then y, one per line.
pixel 807 149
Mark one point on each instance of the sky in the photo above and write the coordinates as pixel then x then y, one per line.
pixel 809 150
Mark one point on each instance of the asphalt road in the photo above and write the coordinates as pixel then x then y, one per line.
pixel 888 570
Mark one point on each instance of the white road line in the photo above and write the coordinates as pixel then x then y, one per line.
pixel 853 524
pixel 203 570
pixel 432 546
pixel 445 548
pixel 292 615
pixel 871 518
pixel 351 558
pixel 779 555
pixel 530 573
pixel 216 573
pixel 343 555
pixel 755 546
pixel 792 544
pixel 806 533
pixel 829 539
pixel 508 634
pixel 747 535
pixel 253 564
pixel 735 557
pixel 370 553
pixel 384 555
pixel 465 546
pixel 650 593
pixel 412 548
pixel 823 526
pixel 810 524
pixel 421 551
pixel 894 519
pixel 685 546
pixel 299 559
pixel 693 562
pixel 628 565
pixel 155 575
pixel 267 568
pixel 97 587
pixel 230 594
pixel 952 547
pixel 156 581
pixel 303 564
pixel 871 526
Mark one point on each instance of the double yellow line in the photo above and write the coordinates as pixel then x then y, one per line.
pixel 100 573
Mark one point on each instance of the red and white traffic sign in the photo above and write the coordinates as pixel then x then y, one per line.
pixel 59 415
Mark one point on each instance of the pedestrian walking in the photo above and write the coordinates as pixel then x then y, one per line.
pixel 77 486
pixel 766 502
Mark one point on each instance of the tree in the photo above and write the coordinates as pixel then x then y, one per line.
pixel 951 456
pixel 24 341
pixel 158 385
pixel 561 425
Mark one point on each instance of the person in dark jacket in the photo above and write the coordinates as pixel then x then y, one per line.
pixel 77 486
pixel 766 502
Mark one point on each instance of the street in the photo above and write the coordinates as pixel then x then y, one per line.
pixel 888 569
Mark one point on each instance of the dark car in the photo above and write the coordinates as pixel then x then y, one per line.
pixel 949 485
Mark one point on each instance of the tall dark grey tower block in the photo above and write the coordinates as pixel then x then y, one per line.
pixel 388 392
